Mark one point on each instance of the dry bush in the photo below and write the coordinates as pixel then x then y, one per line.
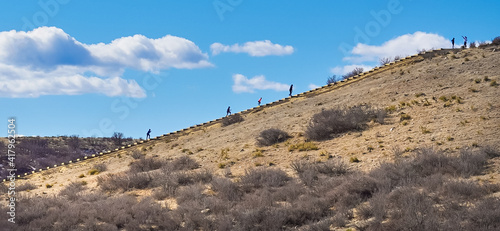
pixel 136 154
pixel 463 189
pixel 384 61
pixel 146 165
pixel 226 189
pixel 184 163
pixel 470 162
pixel 333 168
pixel 484 215
pixel 411 209
pixel 356 71
pixel 232 119
pixel 24 187
pixel 272 136
pixel 496 41
pixel 264 177
pixel 124 182
pixel 335 121
pixel 72 191
pixel 101 167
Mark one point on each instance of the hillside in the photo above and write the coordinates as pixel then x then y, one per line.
pixel 449 98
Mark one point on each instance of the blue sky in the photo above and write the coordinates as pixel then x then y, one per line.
pixel 91 68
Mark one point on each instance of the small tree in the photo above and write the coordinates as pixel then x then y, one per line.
pixel 384 61
pixel 117 138
pixel 356 71
pixel 331 79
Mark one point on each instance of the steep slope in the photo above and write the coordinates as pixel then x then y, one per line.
pixel 462 73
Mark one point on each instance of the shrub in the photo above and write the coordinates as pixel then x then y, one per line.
pixel 404 116
pixel 335 121
pixel 146 164
pixel 136 154
pixel 356 71
pixel 101 167
pixel 267 177
pixel 272 136
pixel 185 163
pixel 384 61
pixel 226 189
pixel 24 187
pixel 496 41
pixel 307 146
pixel 72 191
pixel 232 119
pixel 354 159
pixel 331 79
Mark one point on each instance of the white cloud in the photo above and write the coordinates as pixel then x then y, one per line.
pixel 403 45
pixel 313 86
pixel 47 61
pixel 257 48
pixel 342 70
pixel 244 84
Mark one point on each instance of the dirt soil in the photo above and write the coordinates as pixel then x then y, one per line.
pixel 413 88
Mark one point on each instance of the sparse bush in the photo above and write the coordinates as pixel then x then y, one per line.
pixel 306 146
pixel 404 116
pixel 117 138
pixel 232 119
pixel 72 191
pixel 331 79
pixel 356 71
pixel 24 187
pixel 226 189
pixel 261 177
pixel 146 164
pixel 101 167
pixel 496 41
pixel 354 159
pixel 136 154
pixel 384 61
pixel 272 136
pixel 185 163
pixel 335 121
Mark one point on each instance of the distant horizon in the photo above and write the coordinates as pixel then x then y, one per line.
pixel 94 68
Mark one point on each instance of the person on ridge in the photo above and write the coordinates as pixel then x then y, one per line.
pixel 453 43
pixel 228 112
pixel 148 135
pixel 259 100
pixel 291 89
pixel 465 41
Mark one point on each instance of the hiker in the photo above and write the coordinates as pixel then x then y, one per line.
pixel 228 112
pixel 291 89
pixel 453 43
pixel 259 100
pixel 465 41
pixel 148 135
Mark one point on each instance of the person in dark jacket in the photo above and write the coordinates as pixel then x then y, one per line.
pixel 228 112
pixel 148 135
pixel 291 89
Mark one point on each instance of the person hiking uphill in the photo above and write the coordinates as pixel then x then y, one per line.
pixel 259 100
pixel 453 43
pixel 465 41
pixel 291 89
pixel 228 112
pixel 148 135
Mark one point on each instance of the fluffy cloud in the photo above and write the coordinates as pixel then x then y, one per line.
pixel 47 61
pixel 404 45
pixel 313 86
pixel 257 48
pixel 244 84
